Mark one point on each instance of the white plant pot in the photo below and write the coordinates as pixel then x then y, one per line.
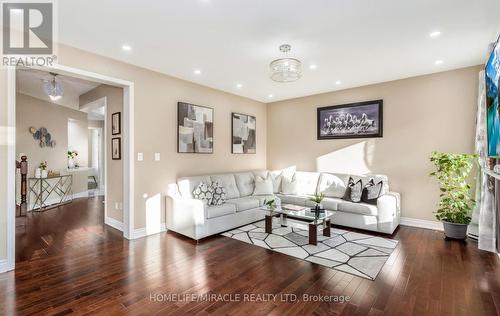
pixel 38 173
pixel 71 163
pixel 45 173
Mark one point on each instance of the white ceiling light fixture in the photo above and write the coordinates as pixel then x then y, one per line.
pixel 338 82
pixel 438 62
pixel 239 86
pixel 313 66
pixel 127 48
pixel 434 34
pixel 270 96
pixel 285 69
pixel 53 88
pixel 197 72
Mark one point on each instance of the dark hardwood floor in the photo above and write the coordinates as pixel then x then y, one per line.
pixel 69 262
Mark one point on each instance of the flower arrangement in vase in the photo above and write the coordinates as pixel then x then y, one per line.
pixel 72 154
pixel 43 169
pixel 317 199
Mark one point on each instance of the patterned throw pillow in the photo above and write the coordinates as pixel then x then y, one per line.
pixel 219 194
pixel 204 192
pixel 354 191
pixel 371 192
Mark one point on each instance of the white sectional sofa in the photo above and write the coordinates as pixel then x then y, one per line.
pixel 193 218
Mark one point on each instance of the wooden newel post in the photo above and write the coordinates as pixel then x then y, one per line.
pixel 23 166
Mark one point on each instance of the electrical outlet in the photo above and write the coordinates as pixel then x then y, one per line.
pixel 140 156
pixel 157 156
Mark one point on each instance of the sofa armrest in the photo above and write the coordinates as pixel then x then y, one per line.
pixel 389 211
pixel 185 216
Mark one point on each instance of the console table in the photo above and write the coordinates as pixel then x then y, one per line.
pixel 50 192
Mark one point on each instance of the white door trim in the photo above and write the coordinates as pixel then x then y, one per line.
pixel 128 149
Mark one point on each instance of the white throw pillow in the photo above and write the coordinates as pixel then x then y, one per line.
pixel 276 178
pixel 288 186
pixel 263 186
pixel 332 186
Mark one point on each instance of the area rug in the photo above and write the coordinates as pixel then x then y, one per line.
pixel 355 253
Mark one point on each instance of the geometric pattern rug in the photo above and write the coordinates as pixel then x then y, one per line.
pixel 358 254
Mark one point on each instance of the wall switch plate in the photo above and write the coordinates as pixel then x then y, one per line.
pixel 157 156
pixel 140 156
pixel 117 206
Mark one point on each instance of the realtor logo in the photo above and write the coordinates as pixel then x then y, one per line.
pixel 27 28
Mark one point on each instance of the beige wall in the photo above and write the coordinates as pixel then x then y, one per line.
pixel 38 113
pixel 114 171
pixel 156 97
pixel 421 114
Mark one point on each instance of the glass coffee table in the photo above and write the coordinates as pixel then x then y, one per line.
pixel 305 215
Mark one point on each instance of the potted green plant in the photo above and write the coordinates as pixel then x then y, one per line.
pixel 456 203
pixel 317 199
pixel 271 204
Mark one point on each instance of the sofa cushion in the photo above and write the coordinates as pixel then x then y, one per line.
pixel 229 183
pixel 245 182
pixel 188 184
pixel 331 185
pixel 261 173
pixel 294 199
pixel 331 204
pixel 263 186
pixel 214 211
pixel 289 186
pixel 358 208
pixel 276 177
pixel 307 182
pixel 244 203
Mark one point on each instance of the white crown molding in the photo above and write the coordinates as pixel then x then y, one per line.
pixel 421 223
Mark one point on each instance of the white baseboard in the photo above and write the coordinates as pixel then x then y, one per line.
pixel 4 266
pixel 142 232
pixel 113 223
pixel 421 223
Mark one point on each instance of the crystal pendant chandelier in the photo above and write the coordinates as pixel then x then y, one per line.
pixel 53 88
pixel 285 69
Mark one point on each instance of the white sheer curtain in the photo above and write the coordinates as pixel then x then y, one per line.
pixel 483 217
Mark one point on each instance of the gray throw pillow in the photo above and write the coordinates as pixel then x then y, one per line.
pixel 219 194
pixel 371 192
pixel 204 193
pixel 354 191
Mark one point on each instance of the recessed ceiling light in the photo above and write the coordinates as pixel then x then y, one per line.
pixel 127 48
pixel 239 86
pixel 338 82
pixel 270 96
pixel 312 67
pixel 197 71
pixel 438 62
pixel 434 34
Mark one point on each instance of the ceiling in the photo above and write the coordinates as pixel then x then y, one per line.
pixel 30 82
pixel 356 42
